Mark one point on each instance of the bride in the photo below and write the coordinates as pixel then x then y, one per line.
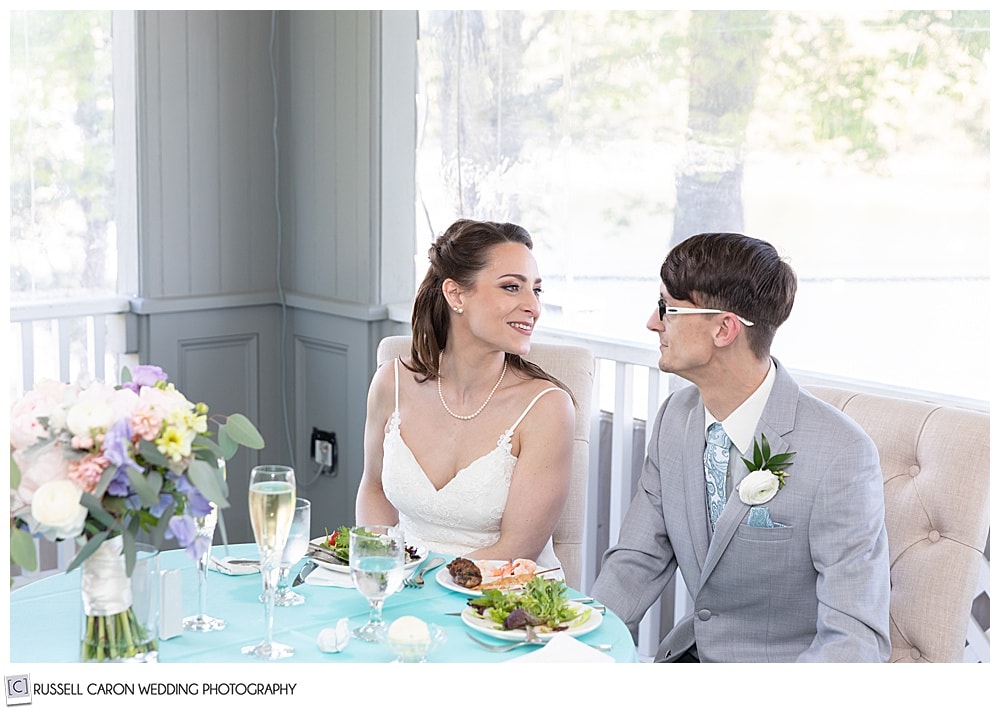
pixel 467 445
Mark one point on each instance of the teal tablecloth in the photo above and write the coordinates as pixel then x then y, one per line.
pixel 46 617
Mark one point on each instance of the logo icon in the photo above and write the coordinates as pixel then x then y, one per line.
pixel 18 689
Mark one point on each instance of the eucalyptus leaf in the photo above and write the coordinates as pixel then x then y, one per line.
pixel 15 473
pixel 88 549
pixel 146 484
pixel 104 481
pixel 128 549
pixel 134 525
pixel 205 448
pixel 209 481
pixel 158 533
pixel 22 549
pixel 226 444
pixel 152 455
pixel 97 511
pixel 125 376
pixel 243 432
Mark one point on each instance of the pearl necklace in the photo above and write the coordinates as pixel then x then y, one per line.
pixel 476 413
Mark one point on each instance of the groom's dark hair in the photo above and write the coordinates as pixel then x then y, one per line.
pixel 733 272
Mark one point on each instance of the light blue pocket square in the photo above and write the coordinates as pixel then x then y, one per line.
pixel 761 518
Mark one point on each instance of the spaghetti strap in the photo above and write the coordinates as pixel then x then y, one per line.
pixel 530 405
pixel 395 364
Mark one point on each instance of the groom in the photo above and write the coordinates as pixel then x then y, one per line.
pixel 789 562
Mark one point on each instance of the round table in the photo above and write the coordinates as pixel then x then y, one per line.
pixel 46 618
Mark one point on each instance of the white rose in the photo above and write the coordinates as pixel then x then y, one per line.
pixel 758 487
pixel 57 511
pixel 87 415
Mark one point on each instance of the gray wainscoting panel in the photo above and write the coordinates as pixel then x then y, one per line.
pixel 229 359
pixel 333 364
pixel 222 372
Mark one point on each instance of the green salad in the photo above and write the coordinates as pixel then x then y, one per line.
pixel 339 543
pixel 542 603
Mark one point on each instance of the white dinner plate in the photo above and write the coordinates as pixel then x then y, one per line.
pixel 346 569
pixel 586 620
pixel 445 579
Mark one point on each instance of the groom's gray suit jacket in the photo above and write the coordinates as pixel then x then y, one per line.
pixel 816 589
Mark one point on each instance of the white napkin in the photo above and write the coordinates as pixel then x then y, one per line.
pixel 226 566
pixel 323 577
pixel 563 648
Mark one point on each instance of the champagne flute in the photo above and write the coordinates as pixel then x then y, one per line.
pixel 295 549
pixel 204 527
pixel 272 506
pixel 376 560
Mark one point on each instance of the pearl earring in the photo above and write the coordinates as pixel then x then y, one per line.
pixel 459 311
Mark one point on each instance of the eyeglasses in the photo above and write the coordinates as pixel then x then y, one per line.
pixel 677 310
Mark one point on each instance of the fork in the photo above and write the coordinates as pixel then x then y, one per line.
pixel 417 578
pixel 529 640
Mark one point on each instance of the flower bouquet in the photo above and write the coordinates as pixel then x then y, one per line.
pixel 100 464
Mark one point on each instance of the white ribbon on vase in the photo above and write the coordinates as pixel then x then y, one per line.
pixel 104 586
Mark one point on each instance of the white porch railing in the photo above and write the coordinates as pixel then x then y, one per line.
pixel 60 340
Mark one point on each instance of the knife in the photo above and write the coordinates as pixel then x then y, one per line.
pixel 308 567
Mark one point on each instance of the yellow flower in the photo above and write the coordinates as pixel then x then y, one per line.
pixel 174 444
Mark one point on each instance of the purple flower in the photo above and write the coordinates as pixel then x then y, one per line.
pixel 145 376
pixel 118 445
pixel 198 505
pixel 165 500
pixel 119 485
pixel 182 529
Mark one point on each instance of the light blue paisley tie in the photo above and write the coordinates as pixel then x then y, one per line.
pixel 716 465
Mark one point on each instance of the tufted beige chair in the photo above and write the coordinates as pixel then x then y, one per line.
pixel 936 468
pixel 574 366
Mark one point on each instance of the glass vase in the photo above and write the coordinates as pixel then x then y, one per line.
pixel 120 611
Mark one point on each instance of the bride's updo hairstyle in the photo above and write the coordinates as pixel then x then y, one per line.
pixel 459 254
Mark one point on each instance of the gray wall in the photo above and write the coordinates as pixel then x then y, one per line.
pixel 296 353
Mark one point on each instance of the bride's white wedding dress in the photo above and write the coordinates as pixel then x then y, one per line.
pixel 465 513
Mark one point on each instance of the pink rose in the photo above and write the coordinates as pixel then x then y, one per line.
pixel 48 398
pixel 49 464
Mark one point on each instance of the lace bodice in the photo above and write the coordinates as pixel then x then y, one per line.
pixel 465 513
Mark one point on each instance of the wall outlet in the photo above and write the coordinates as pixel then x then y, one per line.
pixel 324 450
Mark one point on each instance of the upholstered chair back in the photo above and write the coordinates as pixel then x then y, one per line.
pixel 936 468
pixel 573 366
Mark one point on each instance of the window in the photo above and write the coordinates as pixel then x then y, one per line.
pixel 62 155
pixel 65 177
pixel 858 144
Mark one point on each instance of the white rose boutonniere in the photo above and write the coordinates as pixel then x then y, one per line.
pixel 767 474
